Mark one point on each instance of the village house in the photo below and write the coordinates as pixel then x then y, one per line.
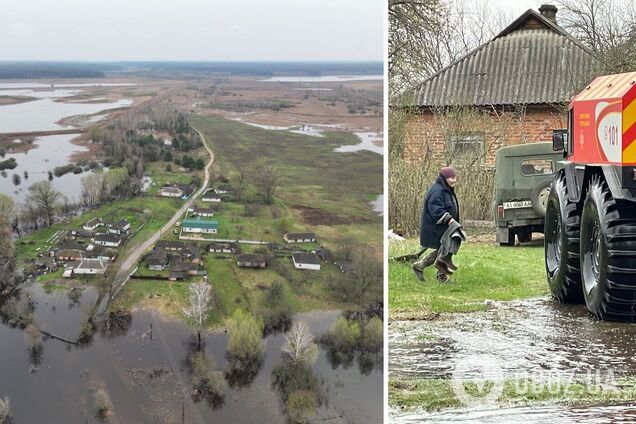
pixel 221 247
pixel 224 189
pixel 178 275
pixel 211 197
pixel 171 245
pixel 92 225
pixel 108 240
pixel 187 189
pixel 102 253
pixel 202 212
pixel 513 89
pixel 250 261
pixel 90 266
pixel 325 255
pixel 122 227
pixel 198 225
pixel 304 260
pixel 158 260
pixel 171 192
pixel 83 233
pixel 189 268
pixel 300 237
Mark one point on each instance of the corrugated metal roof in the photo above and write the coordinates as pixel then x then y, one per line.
pixel 522 66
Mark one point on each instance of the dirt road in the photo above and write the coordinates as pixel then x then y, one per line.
pixel 127 265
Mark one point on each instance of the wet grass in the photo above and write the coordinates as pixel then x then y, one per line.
pixel 438 394
pixel 486 272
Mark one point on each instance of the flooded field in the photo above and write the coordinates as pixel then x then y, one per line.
pixel 52 151
pixel 536 339
pixel 326 78
pixel 145 372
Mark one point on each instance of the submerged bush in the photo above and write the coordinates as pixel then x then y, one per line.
pixel 301 404
pixel 206 381
pixel 103 405
pixel 5 410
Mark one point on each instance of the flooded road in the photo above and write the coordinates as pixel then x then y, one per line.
pixel 533 339
pixel 142 370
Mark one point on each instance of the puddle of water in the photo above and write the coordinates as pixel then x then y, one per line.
pixel 366 143
pixel 378 204
pixel 531 336
pixel 534 414
pixel 65 377
pixel 309 130
pixel 52 151
pixel 538 339
pixel 326 78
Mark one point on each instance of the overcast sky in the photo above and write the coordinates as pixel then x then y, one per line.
pixel 285 30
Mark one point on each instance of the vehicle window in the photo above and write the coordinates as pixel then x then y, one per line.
pixel 537 167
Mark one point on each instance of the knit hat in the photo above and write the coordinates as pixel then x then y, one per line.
pixel 447 172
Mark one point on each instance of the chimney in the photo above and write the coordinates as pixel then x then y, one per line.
pixel 549 12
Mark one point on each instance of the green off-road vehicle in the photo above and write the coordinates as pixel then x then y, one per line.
pixel 522 184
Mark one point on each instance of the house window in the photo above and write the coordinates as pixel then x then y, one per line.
pixel 468 146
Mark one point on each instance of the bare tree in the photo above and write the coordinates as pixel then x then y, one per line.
pixel 266 181
pixel 7 260
pixel 428 35
pixel 300 344
pixel 199 297
pixel 5 410
pixel 44 195
pixel 608 27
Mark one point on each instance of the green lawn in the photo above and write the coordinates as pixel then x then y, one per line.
pixel 485 271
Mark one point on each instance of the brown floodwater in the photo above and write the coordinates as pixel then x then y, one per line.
pixel 144 371
pixel 531 339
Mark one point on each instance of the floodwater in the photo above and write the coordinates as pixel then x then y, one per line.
pixel 13 85
pixel 42 114
pixel 326 78
pixel 378 204
pixel 535 339
pixel 145 372
pixel 51 151
pixel 366 143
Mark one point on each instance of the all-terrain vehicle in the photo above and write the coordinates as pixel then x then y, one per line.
pixel 590 222
pixel 523 175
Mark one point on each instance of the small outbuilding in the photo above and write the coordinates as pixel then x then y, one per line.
pixel 300 237
pixel 250 261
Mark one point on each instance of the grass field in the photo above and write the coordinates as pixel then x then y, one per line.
pixel 485 271
pixel 435 394
pixel 324 191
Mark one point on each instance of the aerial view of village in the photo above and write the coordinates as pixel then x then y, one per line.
pixel 191 243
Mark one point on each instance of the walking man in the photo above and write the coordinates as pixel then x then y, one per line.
pixel 439 227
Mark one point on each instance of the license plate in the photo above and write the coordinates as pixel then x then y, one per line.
pixel 517 205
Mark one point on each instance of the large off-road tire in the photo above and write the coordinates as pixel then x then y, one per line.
pixel 608 254
pixel 561 251
pixel 539 197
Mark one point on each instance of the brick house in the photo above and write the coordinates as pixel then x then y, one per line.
pixel 513 89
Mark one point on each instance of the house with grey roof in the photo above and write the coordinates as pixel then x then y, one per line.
pixel 108 240
pixel 305 261
pixel 513 89
pixel 90 266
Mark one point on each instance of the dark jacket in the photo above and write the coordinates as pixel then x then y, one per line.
pixel 440 205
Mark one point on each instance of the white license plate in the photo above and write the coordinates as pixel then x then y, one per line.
pixel 517 205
